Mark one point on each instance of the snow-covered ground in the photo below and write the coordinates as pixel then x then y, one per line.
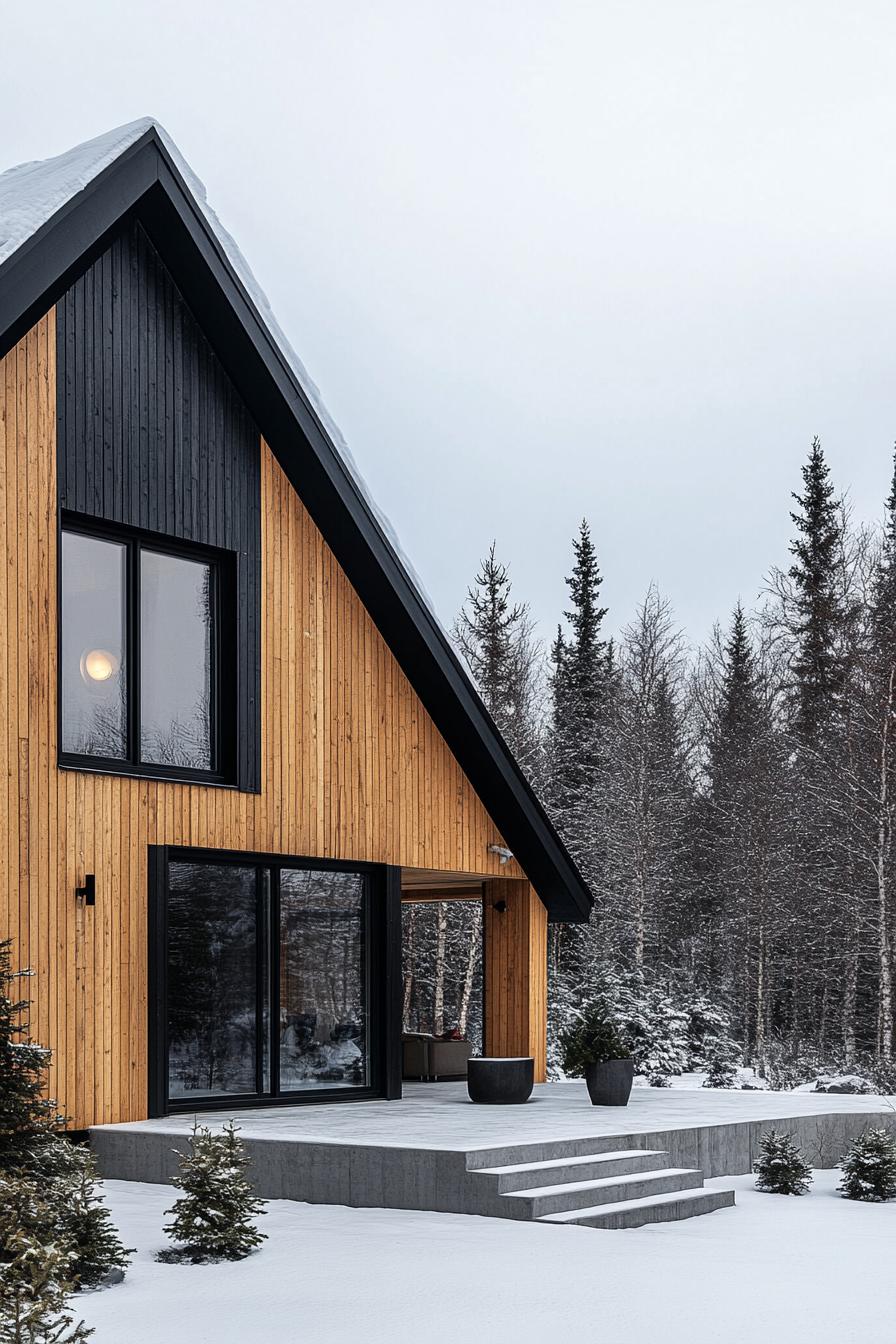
pixel 773 1270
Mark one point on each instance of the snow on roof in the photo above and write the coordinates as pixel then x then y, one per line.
pixel 32 193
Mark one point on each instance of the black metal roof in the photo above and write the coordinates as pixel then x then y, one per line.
pixel 144 181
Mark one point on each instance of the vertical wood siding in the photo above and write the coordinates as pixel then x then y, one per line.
pixel 351 764
pixel 153 434
pixel 516 973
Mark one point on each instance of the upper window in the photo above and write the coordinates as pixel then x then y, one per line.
pixel 141 683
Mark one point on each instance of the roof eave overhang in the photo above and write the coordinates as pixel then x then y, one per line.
pixel 145 182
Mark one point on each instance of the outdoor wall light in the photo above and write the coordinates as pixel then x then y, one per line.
pixel 98 665
pixel 87 893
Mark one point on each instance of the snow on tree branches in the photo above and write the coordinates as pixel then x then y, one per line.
pixel 780 1168
pixel 214 1217
pixel 869 1168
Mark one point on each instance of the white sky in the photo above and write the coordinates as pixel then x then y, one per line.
pixel 543 259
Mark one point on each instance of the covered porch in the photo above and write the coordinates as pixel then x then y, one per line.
pixel 474 966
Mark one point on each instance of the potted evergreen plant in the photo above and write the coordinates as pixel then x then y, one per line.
pixel 595 1049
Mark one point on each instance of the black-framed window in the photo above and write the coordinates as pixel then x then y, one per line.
pixel 145 646
pixel 270 979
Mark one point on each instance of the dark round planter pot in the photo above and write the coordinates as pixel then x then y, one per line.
pixel 610 1084
pixel 500 1082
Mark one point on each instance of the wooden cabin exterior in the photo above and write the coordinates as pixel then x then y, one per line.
pixel 226 713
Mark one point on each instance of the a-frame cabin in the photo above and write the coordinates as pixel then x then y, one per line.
pixel 228 717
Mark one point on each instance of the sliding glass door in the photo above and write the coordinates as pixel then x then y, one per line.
pixel 267 980
pixel 322 1025
pixel 216 980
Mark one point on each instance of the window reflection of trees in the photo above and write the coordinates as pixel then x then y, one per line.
pixel 323 1031
pixel 101 732
pixel 213 998
pixel 185 741
pixel 211 979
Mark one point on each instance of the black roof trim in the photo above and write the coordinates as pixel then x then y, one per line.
pixel 144 181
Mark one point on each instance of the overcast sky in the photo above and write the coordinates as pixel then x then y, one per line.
pixel 543 259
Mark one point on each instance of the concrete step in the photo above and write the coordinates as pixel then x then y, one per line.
pixel 667 1208
pixel 547 1150
pixel 559 1170
pixel 541 1200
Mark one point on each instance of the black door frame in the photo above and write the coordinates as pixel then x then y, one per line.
pixel 383 970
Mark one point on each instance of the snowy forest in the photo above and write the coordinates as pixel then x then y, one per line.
pixel 731 806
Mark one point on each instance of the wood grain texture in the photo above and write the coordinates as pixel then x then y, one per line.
pixel 352 767
pixel 515 963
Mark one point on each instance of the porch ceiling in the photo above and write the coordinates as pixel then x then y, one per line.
pixel 423 884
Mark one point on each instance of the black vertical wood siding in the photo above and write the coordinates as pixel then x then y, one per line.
pixel 153 434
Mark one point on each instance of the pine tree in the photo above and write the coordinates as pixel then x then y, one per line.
pixel 580 662
pixel 34 1150
pixel 495 636
pixel 36 1272
pixel 817 667
pixel 575 764
pixel 26 1115
pixel 213 1219
pixel 869 1168
pixel 583 660
pixel 781 1168
pixel 97 1254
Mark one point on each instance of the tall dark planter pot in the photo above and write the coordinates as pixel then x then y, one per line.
pixel 610 1084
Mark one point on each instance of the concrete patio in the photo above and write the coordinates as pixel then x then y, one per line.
pixel 440 1115
pixel 555 1158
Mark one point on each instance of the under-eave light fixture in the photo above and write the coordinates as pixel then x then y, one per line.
pixel 504 854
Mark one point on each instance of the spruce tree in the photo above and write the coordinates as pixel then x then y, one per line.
pixel 580 666
pixel 97 1254
pixel 27 1116
pixel 576 777
pixel 825 801
pixel 495 636
pixel 213 1219
pixel 36 1274
pixel 781 1168
pixel 817 667
pixel 869 1168
pixel 35 1152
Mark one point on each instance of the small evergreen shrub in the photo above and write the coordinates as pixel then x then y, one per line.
pixel 35 1269
pixel 869 1168
pixel 213 1219
pixel 781 1168
pixel 98 1257
pixel 35 1153
pixel 593 1039
pixel 26 1114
